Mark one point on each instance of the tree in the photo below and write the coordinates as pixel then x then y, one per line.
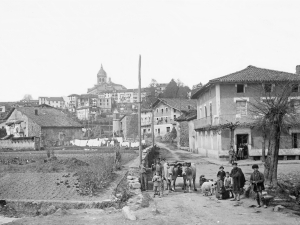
pixel 197 86
pixel 27 97
pixel 276 113
pixel 174 133
pixel 176 90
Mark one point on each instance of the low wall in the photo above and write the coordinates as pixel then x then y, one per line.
pixel 19 144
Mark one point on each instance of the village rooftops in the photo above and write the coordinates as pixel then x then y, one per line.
pixel 177 103
pixel 251 74
pixel 48 117
pixel 54 98
pixel 88 96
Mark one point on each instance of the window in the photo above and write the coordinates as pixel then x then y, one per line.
pixel 205 111
pixel 200 110
pixel 144 130
pixel 295 104
pixel 148 130
pixel 157 110
pixel 157 119
pixel 168 129
pixel 166 110
pixel 295 88
pixel 294 140
pixel 174 110
pixel 162 110
pixel 240 88
pixel 158 130
pixel 174 117
pixel 268 88
pixel 241 108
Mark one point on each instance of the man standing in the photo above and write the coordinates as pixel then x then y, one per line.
pixel 257 181
pixel 144 178
pixel 238 179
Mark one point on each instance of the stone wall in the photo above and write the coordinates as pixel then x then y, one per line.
pixel 20 144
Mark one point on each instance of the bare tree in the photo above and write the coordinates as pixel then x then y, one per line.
pixel 274 113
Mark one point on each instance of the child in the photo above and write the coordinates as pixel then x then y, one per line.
pixel 220 190
pixel 157 184
pixel 221 173
pixel 257 181
pixel 228 184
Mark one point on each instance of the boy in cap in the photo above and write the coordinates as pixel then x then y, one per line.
pixel 221 173
pixel 257 181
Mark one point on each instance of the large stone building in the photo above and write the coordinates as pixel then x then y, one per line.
pixel 104 84
pixel 228 99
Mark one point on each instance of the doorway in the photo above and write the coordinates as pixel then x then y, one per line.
pixel 242 146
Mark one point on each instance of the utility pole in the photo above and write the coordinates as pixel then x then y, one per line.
pixel 139 112
pixel 152 127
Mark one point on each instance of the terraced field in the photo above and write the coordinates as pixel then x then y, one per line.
pixel 70 175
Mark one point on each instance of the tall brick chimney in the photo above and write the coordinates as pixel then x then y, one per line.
pixel 298 69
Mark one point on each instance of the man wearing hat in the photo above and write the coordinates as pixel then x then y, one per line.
pixel 238 179
pixel 257 181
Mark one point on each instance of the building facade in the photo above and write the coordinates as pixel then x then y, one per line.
pixel 56 102
pixel 167 110
pixel 53 127
pixel 230 99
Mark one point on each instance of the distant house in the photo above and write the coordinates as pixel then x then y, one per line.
pixel 52 126
pixel 56 102
pixel 73 102
pixel 146 121
pixel 167 110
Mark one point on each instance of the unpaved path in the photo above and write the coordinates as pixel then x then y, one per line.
pixel 179 208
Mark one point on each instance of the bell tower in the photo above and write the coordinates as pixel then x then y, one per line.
pixel 101 76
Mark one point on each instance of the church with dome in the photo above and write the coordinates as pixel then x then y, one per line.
pixel 104 84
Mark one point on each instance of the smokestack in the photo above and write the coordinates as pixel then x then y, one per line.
pixel 298 69
pixel 36 112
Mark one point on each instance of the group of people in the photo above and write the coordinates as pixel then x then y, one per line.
pixel 241 153
pixel 158 178
pixel 230 185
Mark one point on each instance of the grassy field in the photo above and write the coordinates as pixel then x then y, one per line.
pixel 67 174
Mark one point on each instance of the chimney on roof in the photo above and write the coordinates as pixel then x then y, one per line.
pixel 298 69
pixel 36 112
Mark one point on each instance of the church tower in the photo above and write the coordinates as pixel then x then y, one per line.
pixel 101 76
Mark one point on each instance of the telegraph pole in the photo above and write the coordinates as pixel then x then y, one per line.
pixel 139 112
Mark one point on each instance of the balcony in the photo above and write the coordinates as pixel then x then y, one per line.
pixel 222 119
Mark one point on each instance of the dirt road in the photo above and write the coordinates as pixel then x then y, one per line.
pixel 180 208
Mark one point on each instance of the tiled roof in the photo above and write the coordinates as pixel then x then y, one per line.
pixel 49 117
pixel 75 95
pixel 177 103
pixel 255 74
pixel 251 74
pixel 55 99
pixel 190 115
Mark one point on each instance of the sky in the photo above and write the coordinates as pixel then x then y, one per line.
pixel 56 48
